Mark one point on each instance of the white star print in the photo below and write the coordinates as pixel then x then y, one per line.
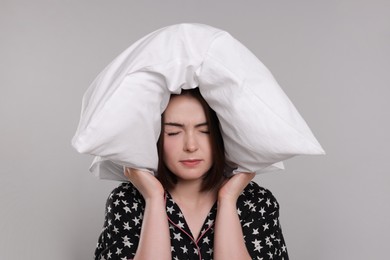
pixel 177 236
pixel 116 230
pixel 117 216
pixel 209 222
pixel 126 214
pixel 136 221
pixel 265 226
pixel 262 211
pixel 185 250
pixel 247 224
pixel 180 224
pixel 128 244
pixel 257 245
pixel 170 209
pixel 118 251
pixel 126 226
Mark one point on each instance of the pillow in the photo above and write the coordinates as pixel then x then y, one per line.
pixel 121 110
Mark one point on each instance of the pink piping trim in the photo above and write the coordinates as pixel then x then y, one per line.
pixel 204 233
pixel 195 242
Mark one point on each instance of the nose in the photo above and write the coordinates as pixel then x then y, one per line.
pixel 190 143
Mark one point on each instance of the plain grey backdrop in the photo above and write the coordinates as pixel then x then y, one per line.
pixel 331 57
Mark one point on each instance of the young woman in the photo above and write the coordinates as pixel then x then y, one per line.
pixel 190 211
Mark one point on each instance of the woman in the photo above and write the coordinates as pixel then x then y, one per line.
pixel 190 211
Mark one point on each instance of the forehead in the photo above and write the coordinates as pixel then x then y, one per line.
pixel 184 109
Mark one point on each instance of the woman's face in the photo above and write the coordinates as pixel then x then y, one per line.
pixel 187 146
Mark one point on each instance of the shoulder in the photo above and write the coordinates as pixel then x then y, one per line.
pixel 123 194
pixel 255 198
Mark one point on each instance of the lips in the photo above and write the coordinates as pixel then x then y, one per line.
pixel 190 162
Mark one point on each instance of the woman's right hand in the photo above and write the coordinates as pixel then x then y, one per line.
pixel 154 222
pixel 146 183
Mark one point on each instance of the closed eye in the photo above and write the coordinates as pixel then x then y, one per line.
pixel 173 133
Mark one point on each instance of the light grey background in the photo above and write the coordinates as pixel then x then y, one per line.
pixel 331 57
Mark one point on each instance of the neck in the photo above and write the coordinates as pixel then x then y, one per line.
pixel 189 192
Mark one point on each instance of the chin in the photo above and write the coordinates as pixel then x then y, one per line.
pixel 191 174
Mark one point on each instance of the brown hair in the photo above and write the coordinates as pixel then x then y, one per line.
pixel 215 175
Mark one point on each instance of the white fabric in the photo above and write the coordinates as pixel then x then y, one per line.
pixel 121 110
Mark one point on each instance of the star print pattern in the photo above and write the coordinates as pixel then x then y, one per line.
pixel 257 209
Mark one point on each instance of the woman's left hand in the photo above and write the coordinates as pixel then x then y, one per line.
pixel 232 187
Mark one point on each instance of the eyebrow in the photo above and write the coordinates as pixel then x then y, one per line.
pixel 182 125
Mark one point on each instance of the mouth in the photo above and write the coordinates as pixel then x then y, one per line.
pixel 190 162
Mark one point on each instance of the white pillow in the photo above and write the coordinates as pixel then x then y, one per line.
pixel 121 110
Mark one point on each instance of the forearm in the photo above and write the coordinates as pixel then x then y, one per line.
pixel 154 240
pixel 228 238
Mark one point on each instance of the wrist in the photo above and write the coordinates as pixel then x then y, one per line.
pixel 155 199
pixel 227 200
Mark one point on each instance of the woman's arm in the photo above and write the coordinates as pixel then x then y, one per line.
pixel 154 240
pixel 228 238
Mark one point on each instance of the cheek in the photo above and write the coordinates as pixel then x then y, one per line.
pixel 170 148
pixel 207 146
